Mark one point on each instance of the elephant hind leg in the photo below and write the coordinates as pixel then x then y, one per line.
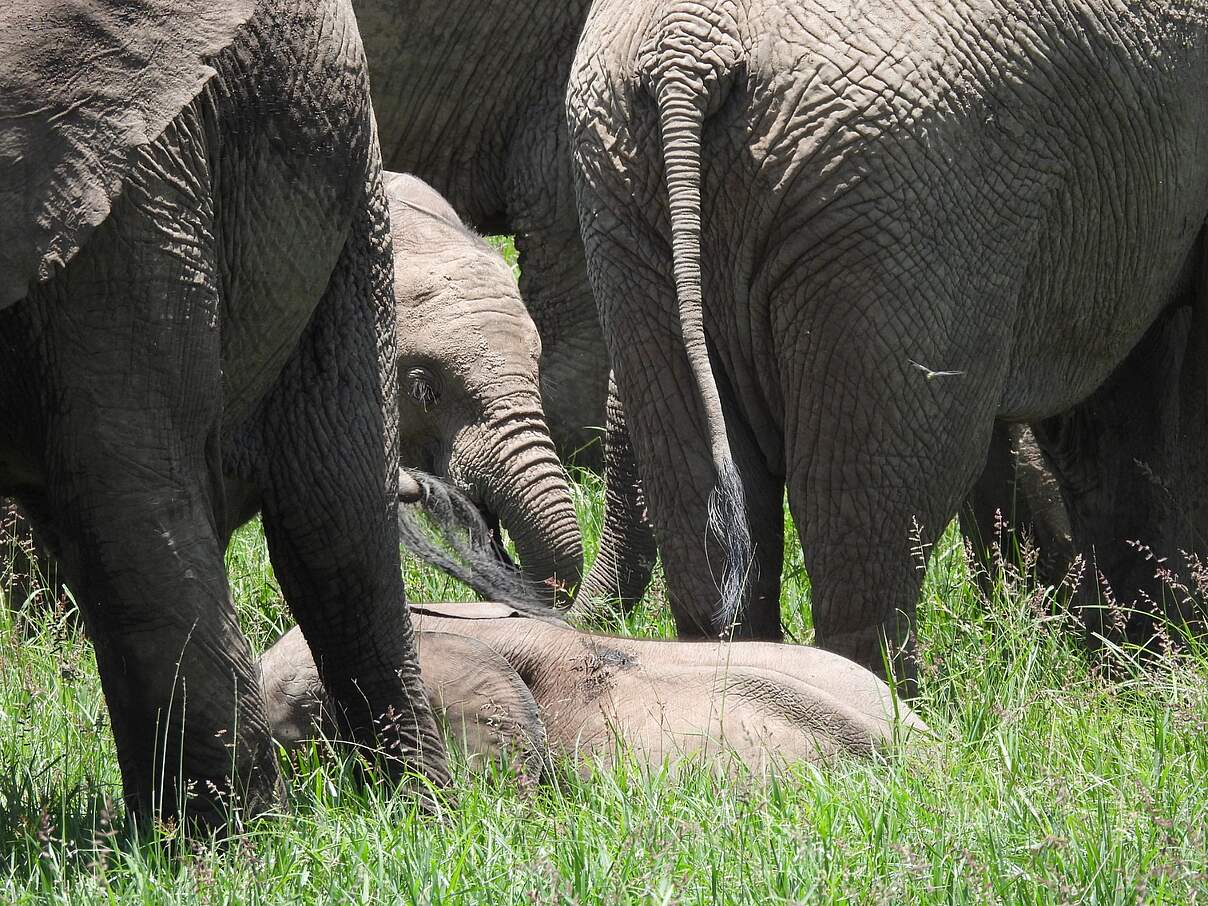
pixel 764 493
pixel 1016 501
pixel 668 430
pixel 628 551
pixel 878 461
pixel 1131 465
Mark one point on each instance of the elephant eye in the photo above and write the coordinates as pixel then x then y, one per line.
pixel 422 388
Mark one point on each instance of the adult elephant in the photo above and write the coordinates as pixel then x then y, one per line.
pixel 196 322
pixel 830 247
pixel 470 97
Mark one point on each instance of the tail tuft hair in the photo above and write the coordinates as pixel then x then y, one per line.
pixel 728 523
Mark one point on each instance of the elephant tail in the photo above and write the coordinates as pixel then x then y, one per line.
pixel 681 119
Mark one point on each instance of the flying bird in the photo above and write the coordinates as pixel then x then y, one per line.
pixel 931 374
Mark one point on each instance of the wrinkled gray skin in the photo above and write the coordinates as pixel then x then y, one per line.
pixel 1130 463
pixel 472 689
pixel 756 704
pixel 887 228
pixel 470 402
pixel 195 323
pixel 469 96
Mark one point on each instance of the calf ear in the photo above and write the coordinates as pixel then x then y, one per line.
pixel 296 703
pixel 85 84
pixel 469 610
pixel 482 700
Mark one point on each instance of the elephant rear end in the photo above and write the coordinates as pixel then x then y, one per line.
pixel 911 224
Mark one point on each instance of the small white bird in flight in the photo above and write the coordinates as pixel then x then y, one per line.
pixel 931 374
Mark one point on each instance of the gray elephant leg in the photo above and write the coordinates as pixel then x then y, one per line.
pixel 878 464
pixel 764 493
pixel 329 495
pixel 1130 463
pixel 554 283
pixel 993 508
pixel 131 351
pixel 574 363
pixel 28 574
pixel 621 571
pixel 1016 497
pixel 637 302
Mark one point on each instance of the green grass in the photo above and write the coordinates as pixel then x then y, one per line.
pixel 1045 783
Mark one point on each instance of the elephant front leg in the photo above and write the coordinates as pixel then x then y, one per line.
pixel 327 453
pixel 180 682
pixel 132 495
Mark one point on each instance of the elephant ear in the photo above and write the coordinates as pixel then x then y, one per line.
pixel 410 191
pixel 84 84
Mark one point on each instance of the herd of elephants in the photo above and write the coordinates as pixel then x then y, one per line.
pixel 898 260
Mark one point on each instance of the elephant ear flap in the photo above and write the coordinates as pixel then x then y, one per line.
pixel 83 85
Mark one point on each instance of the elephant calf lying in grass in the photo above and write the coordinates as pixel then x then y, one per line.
pixel 507 682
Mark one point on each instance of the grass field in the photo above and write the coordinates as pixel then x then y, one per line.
pixel 1045 783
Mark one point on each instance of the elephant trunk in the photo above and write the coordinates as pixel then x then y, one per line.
pixel 513 470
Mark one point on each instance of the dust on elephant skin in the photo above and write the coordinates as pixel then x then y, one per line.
pixel 597 667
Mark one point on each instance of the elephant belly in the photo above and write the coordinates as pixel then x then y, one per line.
pixel 1079 319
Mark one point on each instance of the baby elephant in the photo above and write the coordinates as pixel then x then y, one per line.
pixel 508 682
pixel 470 402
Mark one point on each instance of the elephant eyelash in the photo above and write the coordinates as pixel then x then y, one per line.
pixel 421 387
